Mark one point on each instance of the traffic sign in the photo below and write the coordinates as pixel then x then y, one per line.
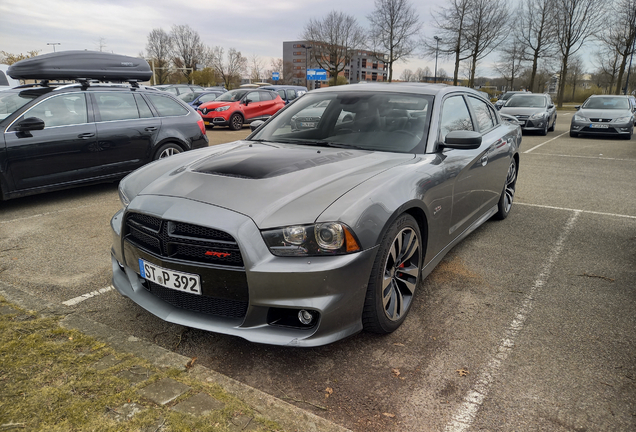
pixel 275 76
pixel 316 74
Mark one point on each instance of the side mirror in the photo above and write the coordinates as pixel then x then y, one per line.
pixel 247 101
pixel 197 103
pixel 462 140
pixel 577 107
pixel 30 124
pixel 551 106
pixel 509 118
pixel 256 124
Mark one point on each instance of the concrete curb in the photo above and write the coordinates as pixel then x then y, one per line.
pixel 286 415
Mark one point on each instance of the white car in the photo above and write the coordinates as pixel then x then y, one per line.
pixel 6 82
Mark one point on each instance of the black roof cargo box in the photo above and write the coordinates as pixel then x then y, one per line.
pixel 70 65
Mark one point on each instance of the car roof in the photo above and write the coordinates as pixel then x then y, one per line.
pixel 402 87
pixel 283 86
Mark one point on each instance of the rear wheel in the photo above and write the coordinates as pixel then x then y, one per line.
pixel 394 278
pixel 507 196
pixel 236 122
pixel 167 150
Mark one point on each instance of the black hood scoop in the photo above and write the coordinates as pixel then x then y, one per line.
pixel 264 161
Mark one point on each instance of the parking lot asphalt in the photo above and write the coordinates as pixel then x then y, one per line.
pixel 528 324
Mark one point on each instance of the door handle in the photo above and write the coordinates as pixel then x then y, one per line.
pixel 86 135
pixel 151 129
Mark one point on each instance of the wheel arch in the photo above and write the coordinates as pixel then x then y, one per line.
pixel 172 140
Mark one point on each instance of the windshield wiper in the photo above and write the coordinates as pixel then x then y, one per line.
pixel 320 143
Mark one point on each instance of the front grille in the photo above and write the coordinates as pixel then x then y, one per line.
pixel 182 241
pixel 600 120
pixel 197 303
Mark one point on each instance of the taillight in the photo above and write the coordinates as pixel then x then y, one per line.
pixel 201 126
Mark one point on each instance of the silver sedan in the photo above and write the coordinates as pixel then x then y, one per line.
pixel 604 115
pixel 304 237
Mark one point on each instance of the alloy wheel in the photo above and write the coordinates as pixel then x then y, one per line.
pixel 509 189
pixel 401 274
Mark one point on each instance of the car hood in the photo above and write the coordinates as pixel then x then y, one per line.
pixel 514 111
pixel 214 104
pixel 604 113
pixel 274 184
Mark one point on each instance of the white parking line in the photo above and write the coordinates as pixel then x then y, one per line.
pixel 550 140
pixel 83 297
pixel 585 157
pixel 577 210
pixel 467 411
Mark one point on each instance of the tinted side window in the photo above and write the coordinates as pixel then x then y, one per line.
pixel 480 108
pixel 116 106
pixel 281 93
pixel 208 97
pixel 455 116
pixel 144 109
pixel 291 94
pixel 265 96
pixel 67 109
pixel 253 97
pixel 3 79
pixel 166 107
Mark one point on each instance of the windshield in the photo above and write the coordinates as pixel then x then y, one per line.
pixel 391 122
pixel 232 95
pixel 606 103
pixel 527 101
pixel 10 102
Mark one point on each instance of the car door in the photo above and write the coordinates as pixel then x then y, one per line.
pixel 126 130
pixel 464 166
pixel 65 151
pixel 268 104
pixel 251 105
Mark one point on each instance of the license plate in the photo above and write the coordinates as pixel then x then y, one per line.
pixel 599 126
pixel 207 123
pixel 176 280
pixel 308 124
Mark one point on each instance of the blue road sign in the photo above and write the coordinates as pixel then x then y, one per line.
pixel 317 74
pixel 275 76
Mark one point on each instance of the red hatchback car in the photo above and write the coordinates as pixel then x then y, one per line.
pixel 239 106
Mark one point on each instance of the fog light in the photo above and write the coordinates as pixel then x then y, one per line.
pixel 305 317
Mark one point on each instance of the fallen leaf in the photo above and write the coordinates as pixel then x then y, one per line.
pixel 398 344
pixel 462 372
pixel 328 392
pixel 190 363
pixel 396 372
pixel 70 338
pixel 388 415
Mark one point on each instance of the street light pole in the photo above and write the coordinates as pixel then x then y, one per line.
pixel 307 48
pixel 54 43
pixel 437 39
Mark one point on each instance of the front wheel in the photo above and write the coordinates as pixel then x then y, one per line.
pixel 544 131
pixel 573 134
pixel 236 122
pixel 394 278
pixel 507 196
pixel 553 125
pixel 167 150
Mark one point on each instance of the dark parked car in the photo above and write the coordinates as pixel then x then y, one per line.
pixel 504 97
pixel 534 112
pixel 305 237
pixel 60 137
pixel 604 115
pixel 194 99
pixel 287 93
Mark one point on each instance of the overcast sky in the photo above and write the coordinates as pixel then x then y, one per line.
pixel 250 26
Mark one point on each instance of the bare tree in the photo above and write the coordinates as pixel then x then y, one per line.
pixel 257 68
pixel 159 49
pixel 230 67
pixel 394 24
pixel 451 22
pixel 509 66
pixel 576 70
pixel 575 22
pixel 187 49
pixel 407 75
pixel 621 35
pixel 422 74
pixel 333 40
pixel 487 27
pixel 536 32
pixel 441 74
pixel 607 62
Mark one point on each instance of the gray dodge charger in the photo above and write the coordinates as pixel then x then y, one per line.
pixel 306 236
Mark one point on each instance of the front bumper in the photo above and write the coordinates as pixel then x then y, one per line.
pixel 332 287
pixel 601 128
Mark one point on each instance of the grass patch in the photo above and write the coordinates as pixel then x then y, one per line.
pixel 48 382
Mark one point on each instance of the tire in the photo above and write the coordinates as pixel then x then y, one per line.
pixel 395 276
pixel 508 194
pixel 167 150
pixel 551 129
pixel 573 134
pixel 236 121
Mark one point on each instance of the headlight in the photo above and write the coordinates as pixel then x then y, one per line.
pixel 538 115
pixel 578 117
pixel 123 197
pixel 622 120
pixel 223 108
pixel 330 238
